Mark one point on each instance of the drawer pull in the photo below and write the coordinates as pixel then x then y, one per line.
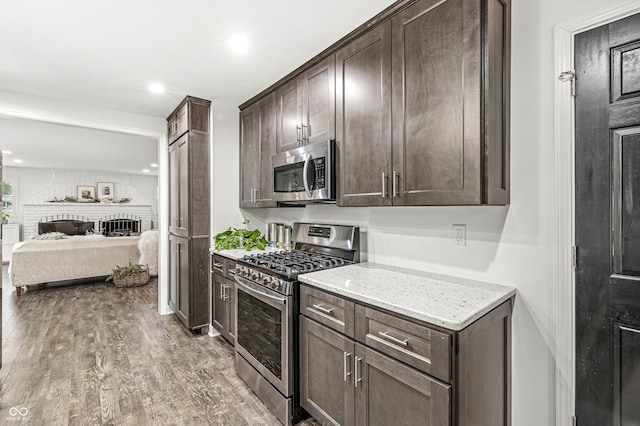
pixel 323 309
pixel 390 338
pixel 217 265
pixel 346 373
pixel 358 379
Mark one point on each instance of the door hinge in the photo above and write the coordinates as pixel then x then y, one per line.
pixel 574 257
pixel 571 77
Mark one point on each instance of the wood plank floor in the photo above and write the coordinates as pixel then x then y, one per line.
pixel 93 354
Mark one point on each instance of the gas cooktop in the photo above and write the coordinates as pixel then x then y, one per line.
pixel 291 263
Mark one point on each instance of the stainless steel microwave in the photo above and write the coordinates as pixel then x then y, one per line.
pixel 306 174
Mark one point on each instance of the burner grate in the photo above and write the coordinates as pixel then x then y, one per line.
pixel 294 262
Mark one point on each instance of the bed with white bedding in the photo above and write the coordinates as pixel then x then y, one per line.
pixel 46 261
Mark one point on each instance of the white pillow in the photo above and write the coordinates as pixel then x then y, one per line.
pixel 50 236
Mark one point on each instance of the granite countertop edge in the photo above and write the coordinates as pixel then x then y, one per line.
pixel 350 283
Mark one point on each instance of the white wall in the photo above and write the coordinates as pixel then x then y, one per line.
pixel 507 245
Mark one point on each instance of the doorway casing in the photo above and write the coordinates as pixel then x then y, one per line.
pixel 564 199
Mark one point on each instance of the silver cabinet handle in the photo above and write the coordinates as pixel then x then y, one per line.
pixel 396 183
pixel 299 134
pixel 384 185
pixel 305 135
pixel 256 191
pixel 226 292
pixel 395 340
pixel 321 308
pixel 346 373
pixel 222 292
pixel 358 376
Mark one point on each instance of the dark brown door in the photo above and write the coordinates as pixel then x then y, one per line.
pixel 218 302
pixel 174 188
pixel 319 102
pixel 363 119
pixel 608 224
pixel 267 148
pixel 179 187
pixel 249 154
pixel 183 284
pixel 257 146
pixel 289 116
pixel 326 374
pixel 436 103
pixel 390 393
pixel 174 268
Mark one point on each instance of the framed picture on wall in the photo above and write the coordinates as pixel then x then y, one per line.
pixel 105 191
pixel 86 193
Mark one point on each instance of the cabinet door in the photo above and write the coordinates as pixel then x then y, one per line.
pixel 319 102
pixel 326 374
pixel 436 103
pixel 230 300
pixel 174 269
pixel 179 187
pixel 363 119
pixel 257 146
pixel 267 148
pixel 249 154
pixel 390 393
pixel 289 116
pixel 218 303
pixel 183 282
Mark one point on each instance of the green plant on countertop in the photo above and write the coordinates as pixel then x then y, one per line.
pixel 234 238
pixel 121 272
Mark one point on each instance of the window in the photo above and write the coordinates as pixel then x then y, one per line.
pixel 9 197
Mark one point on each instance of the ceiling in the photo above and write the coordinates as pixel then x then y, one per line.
pixel 107 53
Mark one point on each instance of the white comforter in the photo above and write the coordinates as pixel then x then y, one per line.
pixel 42 261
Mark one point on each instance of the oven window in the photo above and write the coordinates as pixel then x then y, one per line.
pixel 288 178
pixel 260 332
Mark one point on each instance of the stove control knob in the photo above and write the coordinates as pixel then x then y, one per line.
pixel 256 275
pixel 268 281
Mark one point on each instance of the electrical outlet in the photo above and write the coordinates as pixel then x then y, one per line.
pixel 459 235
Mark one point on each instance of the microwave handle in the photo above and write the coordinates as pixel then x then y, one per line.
pixel 304 175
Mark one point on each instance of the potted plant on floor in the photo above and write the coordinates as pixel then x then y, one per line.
pixel 132 275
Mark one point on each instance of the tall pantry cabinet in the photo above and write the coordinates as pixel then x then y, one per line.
pixel 188 134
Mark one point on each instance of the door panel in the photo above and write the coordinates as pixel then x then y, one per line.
pixel 325 392
pixel 607 220
pixel 267 142
pixel 436 110
pixel 391 393
pixel 174 189
pixel 184 287
pixel 289 116
pixel 363 119
pixel 173 274
pixel 219 307
pixel 249 154
pixel 626 383
pixel 183 185
pixel 319 112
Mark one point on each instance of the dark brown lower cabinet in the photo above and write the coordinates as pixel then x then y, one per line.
pixel 223 302
pixel 346 383
pixel 393 370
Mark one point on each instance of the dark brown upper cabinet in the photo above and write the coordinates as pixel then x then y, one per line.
pixel 449 91
pixel 418 105
pixel 363 123
pixel 257 145
pixel 306 107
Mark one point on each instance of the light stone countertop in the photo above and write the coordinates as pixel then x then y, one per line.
pixel 236 254
pixel 442 300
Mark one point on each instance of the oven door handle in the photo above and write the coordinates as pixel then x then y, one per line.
pixel 243 283
pixel 307 160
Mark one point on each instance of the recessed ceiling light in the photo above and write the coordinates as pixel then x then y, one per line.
pixel 145 170
pixel 6 152
pixel 156 88
pixel 17 160
pixel 154 165
pixel 238 43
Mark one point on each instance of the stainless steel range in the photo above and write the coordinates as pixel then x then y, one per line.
pixel 267 310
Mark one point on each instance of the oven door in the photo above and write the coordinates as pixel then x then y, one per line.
pixel 305 174
pixel 264 332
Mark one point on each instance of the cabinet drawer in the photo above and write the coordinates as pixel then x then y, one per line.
pixel 229 268
pixel 332 311
pixel 421 347
pixel 218 265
